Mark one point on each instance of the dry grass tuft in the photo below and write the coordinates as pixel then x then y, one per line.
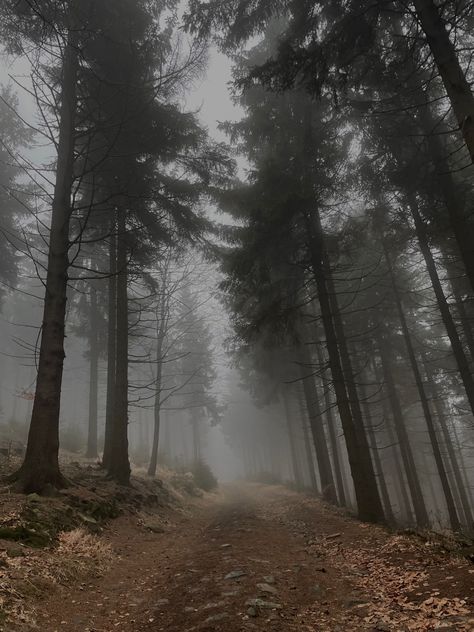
pixel 79 543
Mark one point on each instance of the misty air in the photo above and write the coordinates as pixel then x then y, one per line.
pixel 236 316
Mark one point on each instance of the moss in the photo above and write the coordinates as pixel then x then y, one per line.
pixel 28 536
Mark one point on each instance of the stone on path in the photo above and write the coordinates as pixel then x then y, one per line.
pixel 235 575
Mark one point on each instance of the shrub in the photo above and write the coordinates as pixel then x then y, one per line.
pixel 203 476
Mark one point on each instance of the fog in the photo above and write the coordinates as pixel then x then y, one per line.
pixel 216 253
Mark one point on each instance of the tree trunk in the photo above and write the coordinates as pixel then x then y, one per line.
pixel 458 351
pixel 41 465
pixel 331 423
pixel 387 505
pixel 295 464
pixel 447 62
pixel 328 490
pixel 350 382
pixel 160 339
pixel 119 467
pixel 457 280
pixel 307 442
pixel 414 485
pixel 92 448
pixel 197 438
pixel 156 435
pixel 464 500
pixel 399 476
pixel 111 347
pixel 367 495
pixel 399 479
pixel 453 517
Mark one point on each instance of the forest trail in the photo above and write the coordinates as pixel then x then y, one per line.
pixel 321 570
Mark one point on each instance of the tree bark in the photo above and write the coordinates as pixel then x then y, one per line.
pixel 463 497
pixel 446 59
pixel 295 465
pixel 119 467
pixel 160 339
pixel 331 424
pixel 453 517
pixel 328 490
pixel 458 351
pixel 399 476
pixel 41 465
pixel 111 347
pixel 460 224
pixel 387 504
pixel 414 485
pixel 350 382
pixel 307 443
pixel 367 495
pixel 92 447
pixel 197 438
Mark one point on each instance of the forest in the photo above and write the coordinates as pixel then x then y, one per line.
pixel 237 285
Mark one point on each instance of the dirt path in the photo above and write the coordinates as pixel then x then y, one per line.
pixel 321 571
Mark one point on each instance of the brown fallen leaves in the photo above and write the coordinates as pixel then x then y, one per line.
pixel 391 586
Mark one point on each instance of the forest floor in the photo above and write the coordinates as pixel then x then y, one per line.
pixel 262 558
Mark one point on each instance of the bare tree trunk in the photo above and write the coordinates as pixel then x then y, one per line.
pixel 456 279
pixel 462 464
pixel 307 443
pixel 466 322
pixel 41 465
pixel 399 476
pixel 365 485
pixel 414 485
pixel 399 479
pixel 446 59
pixel 197 438
pixel 92 448
pixel 453 517
pixel 350 381
pixel 387 505
pixel 331 423
pixel 156 434
pixel 162 323
pixel 295 464
pixel 111 347
pixel 119 467
pixel 328 490
pixel 458 351
pixel 463 497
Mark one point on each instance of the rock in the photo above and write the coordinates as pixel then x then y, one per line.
pixel 252 611
pixel 87 519
pixel 355 600
pixel 33 498
pixel 269 579
pixel 261 603
pixel 226 546
pixel 235 575
pixel 266 588
pixel 218 604
pixel 153 526
pixel 215 618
